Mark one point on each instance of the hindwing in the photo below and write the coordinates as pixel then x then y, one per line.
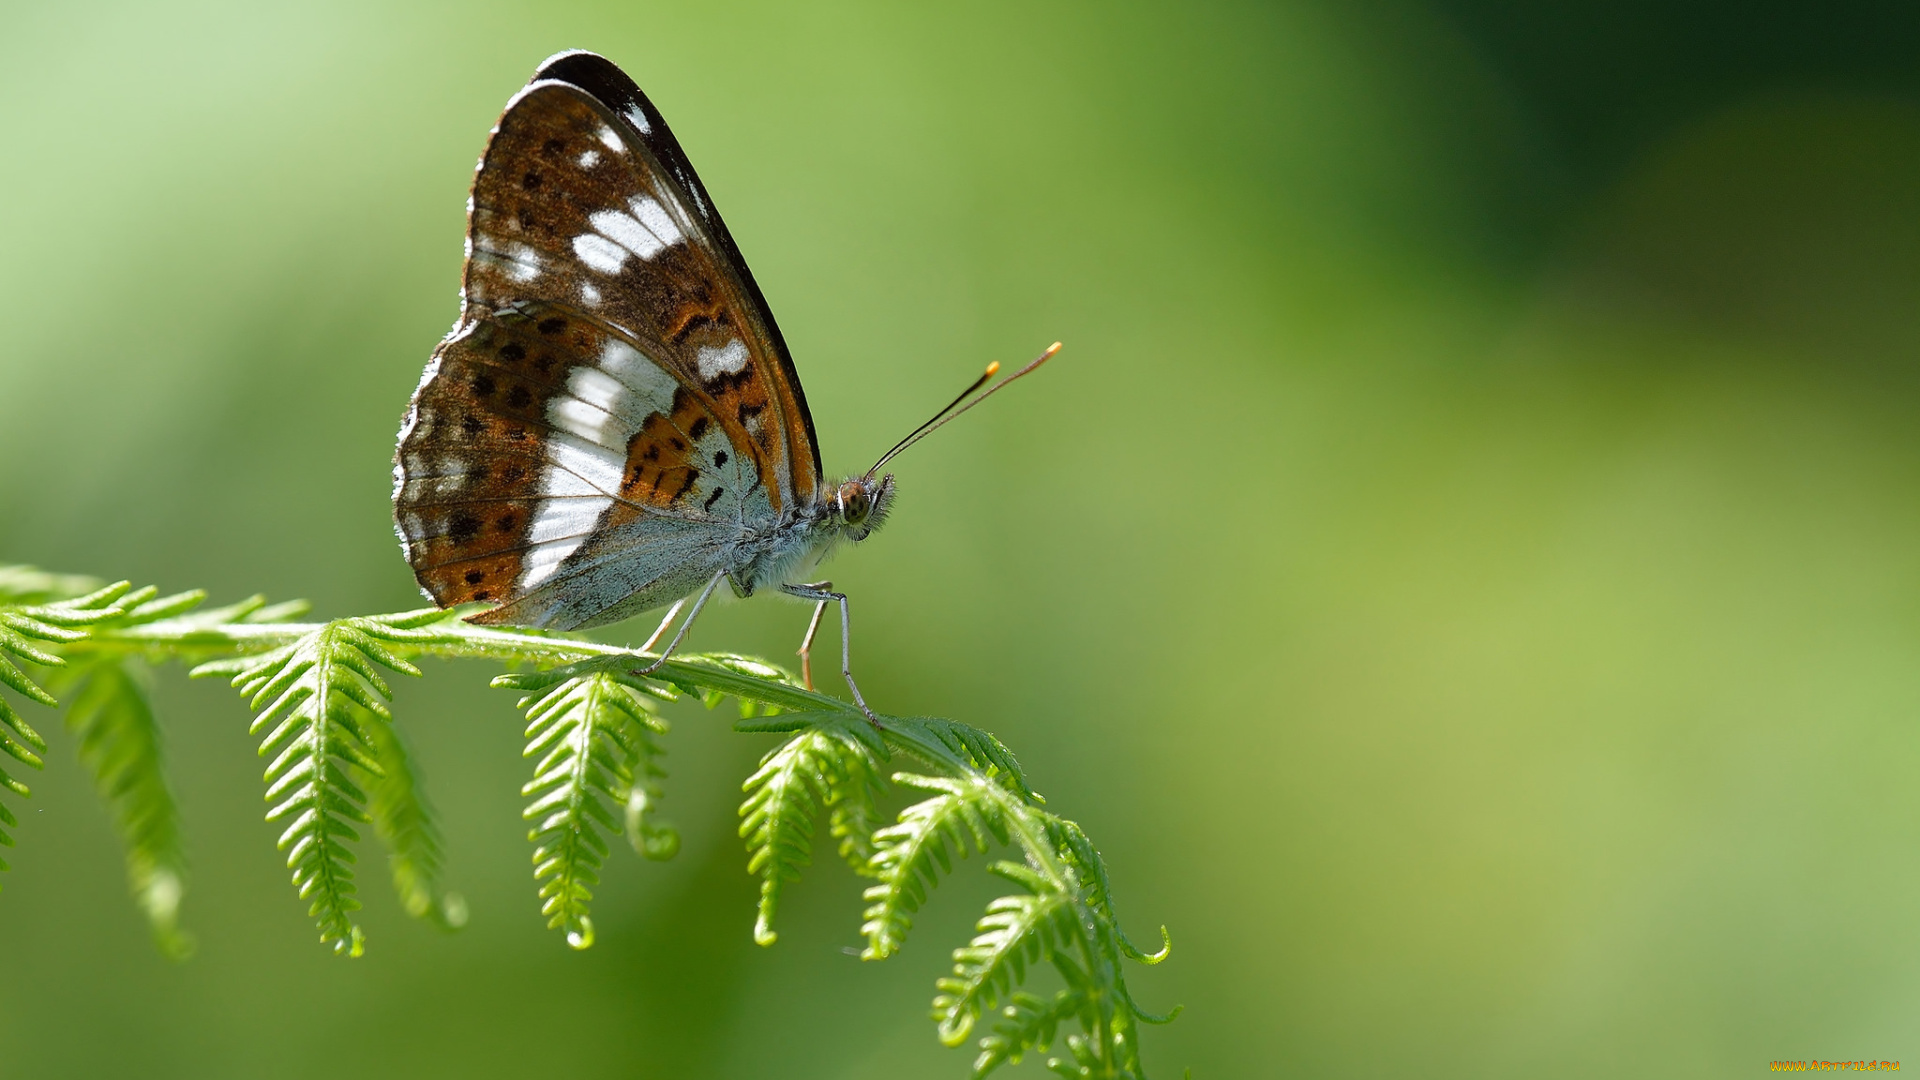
pixel 537 437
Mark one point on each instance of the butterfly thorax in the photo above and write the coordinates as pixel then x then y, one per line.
pixel 848 510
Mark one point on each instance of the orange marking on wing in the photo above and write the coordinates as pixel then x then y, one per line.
pixel 489 577
pixel 661 466
pixel 805 480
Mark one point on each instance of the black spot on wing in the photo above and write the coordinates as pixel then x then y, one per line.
pixel 463 527
pixel 686 485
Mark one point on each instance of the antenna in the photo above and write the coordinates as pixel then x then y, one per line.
pixel 954 408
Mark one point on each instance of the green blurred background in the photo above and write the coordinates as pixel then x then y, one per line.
pixel 1464 571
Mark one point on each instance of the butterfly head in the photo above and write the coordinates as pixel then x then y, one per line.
pixel 860 505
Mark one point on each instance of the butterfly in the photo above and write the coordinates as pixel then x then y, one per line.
pixel 615 423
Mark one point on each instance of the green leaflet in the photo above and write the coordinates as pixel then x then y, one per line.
pixel 110 714
pixel 910 856
pixel 1028 1024
pixel 404 821
pixel 31 585
pixel 1016 931
pixel 593 726
pixel 38 613
pixel 830 761
pixel 323 693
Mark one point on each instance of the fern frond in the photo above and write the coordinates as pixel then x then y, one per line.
pixel 32 585
pixel 910 856
pixel 1017 930
pixel 777 818
pixel 323 691
pixel 1028 1024
pixel 763 689
pixel 1095 1056
pixel 27 631
pixel 854 812
pixel 172 615
pixel 112 716
pixel 975 747
pixel 593 724
pixel 54 624
pixel 829 761
pixel 403 820
pixel 1078 851
pixel 651 836
pixel 589 720
pixel 7 818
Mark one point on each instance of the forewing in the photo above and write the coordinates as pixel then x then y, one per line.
pixel 604 80
pixel 573 205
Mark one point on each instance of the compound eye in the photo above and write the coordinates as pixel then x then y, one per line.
pixel 854 502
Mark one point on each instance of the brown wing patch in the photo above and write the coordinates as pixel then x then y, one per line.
pixel 470 459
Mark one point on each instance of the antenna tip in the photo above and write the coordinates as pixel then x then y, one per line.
pixel 1053 348
pixel 993 367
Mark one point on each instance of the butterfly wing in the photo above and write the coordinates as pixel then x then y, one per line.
pixel 548 463
pixel 615 408
pixel 606 83
pixel 575 202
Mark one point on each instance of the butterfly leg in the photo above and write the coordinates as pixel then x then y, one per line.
pixel 684 626
pixel 824 595
pixel 813 627
pixel 672 613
